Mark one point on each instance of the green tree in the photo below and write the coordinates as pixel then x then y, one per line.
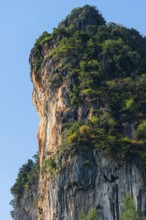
pixel 27 177
pixel 129 210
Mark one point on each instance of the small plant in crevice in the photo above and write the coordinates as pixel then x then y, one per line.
pixel 90 215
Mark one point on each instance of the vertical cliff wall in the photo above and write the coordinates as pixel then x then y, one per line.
pixel 89 80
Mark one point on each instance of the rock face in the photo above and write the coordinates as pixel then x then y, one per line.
pixel 82 177
pixel 93 181
pixel 26 208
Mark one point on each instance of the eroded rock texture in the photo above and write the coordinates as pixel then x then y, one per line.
pixel 83 177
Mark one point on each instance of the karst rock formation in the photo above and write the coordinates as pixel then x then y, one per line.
pixel 89 81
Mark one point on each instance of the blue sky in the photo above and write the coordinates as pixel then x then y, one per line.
pixel 21 23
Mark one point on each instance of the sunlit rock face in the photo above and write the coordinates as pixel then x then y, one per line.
pixel 81 177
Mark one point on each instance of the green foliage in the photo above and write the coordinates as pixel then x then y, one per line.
pixel 12 214
pixel 79 16
pixel 91 215
pixel 27 176
pixel 26 180
pixel 50 167
pixel 141 130
pixel 37 51
pixel 129 210
pixel 101 133
pixel 104 67
pixel 129 103
pixel 109 72
pixel 112 46
pixel 71 134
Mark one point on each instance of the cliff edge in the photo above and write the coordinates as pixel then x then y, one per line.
pixel 89 82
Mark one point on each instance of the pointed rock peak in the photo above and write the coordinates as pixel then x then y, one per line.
pixel 81 17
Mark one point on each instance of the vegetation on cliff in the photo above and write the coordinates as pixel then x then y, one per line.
pixel 91 215
pixel 107 66
pixel 26 181
pixel 129 210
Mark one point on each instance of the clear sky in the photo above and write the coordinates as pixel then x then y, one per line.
pixel 21 23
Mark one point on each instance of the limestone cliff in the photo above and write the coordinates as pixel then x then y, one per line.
pixel 89 80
